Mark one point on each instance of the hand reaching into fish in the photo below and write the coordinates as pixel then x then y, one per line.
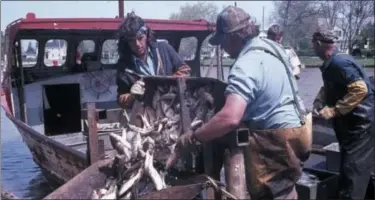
pixel 185 144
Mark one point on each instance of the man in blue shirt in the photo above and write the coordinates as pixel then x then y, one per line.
pixel 260 97
pixel 347 98
pixel 275 33
pixel 140 52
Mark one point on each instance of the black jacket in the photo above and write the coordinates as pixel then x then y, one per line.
pixel 170 59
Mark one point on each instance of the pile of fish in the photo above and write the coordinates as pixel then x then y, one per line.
pixel 141 148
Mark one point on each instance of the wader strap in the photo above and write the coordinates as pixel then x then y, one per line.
pixel 278 56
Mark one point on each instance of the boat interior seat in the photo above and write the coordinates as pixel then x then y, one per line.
pixel 108 120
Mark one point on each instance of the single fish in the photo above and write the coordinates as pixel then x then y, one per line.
pixel 119 139
pixel 143 131
pixel 128 184
pixel 153 173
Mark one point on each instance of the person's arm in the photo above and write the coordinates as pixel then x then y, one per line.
pixel 124 98
pixel 319 100
pixel 239 92
pixel 227 119
pixel 180 68
pixel 356 88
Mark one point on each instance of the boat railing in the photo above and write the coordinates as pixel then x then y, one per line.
pixel 14 22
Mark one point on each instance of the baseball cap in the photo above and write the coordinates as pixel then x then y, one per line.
pixel 325 35
pixel 229 20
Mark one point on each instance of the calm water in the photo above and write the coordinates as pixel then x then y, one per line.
pixel 21 176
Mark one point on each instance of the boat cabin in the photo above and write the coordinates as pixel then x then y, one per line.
pixel 50 57
pixel 56 65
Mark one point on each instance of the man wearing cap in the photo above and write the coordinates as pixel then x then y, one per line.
pixel 259 97
pixel 347 98
pixel 140 53
pixel 275 33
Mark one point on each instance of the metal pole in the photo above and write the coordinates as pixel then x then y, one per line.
pixel 219 66
pixel 263 19
pixel 93 144
pixel 121 8
pixel 234 166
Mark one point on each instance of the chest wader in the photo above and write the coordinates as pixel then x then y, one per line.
pixel 273 157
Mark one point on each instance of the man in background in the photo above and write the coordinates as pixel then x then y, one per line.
pixel 275 33
pixel 347 98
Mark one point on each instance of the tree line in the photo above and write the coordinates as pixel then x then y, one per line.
pixel 354 19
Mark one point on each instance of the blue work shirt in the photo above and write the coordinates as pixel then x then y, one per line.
pixel 145 68
pixel 262 81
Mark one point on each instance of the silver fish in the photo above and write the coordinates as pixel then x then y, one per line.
pixel 152 173
pixel 128 184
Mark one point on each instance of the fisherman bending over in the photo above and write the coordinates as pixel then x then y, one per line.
pixel 140 52
pixel 259 96
pixel 275 33
pixel 347 98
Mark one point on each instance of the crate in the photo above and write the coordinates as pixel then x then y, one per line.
pixel 323 187
pixel 333 157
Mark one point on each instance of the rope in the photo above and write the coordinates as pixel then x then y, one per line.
pixel 214 184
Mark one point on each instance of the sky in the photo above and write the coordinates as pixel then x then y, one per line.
pixel 12 10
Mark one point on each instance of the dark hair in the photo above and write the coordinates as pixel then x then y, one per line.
pixel 275 32
pixel 128 29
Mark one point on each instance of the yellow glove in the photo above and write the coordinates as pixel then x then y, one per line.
pixel 328 112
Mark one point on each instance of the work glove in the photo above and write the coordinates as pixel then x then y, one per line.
pixel 328 112
pixel 317 106
pixel 138 88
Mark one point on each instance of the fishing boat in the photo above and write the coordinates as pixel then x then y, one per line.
pixel 47 99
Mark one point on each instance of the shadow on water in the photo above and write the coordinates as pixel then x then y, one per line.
pixel 38 187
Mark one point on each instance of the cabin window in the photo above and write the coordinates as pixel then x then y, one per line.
pixel 207 51
pixel 85 46
pixel 29 52
pixel 109 52
pixel 55 53
pixel 188 48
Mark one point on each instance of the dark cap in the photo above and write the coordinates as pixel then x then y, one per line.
pixel 229 20
pixel 325 35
